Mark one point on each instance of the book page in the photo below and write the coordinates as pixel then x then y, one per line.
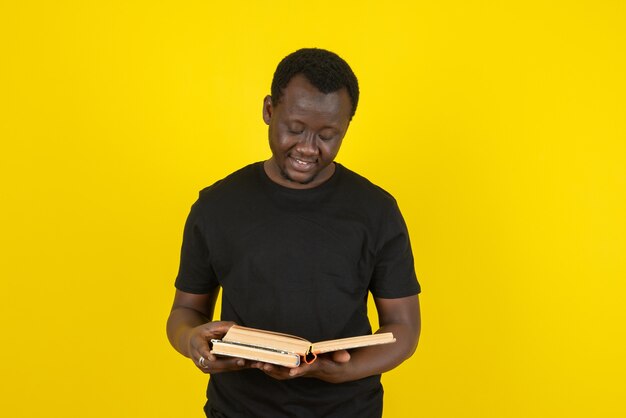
pixel 352 342
pixel 267 339
pixel 256 354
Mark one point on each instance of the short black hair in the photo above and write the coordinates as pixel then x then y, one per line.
pixel 325 70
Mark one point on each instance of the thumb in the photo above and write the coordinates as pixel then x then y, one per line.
pixel 341 356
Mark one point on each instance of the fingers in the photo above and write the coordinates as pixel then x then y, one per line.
pixel 200 339
pixel 276 372
pixel 216 329
pixel 219 365
pixel 203 363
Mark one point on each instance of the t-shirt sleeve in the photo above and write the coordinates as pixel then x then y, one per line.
pixel 394 271
pixel 195 274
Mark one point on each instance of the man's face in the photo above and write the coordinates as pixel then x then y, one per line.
pixel 305 132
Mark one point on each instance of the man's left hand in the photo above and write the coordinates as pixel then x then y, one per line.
pixel 327 367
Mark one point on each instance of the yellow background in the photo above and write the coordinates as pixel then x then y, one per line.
pixel 499 127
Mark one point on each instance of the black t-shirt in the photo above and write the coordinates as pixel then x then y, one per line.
pixel 299 262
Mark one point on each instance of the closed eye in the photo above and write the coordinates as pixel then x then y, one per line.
pixel 326 137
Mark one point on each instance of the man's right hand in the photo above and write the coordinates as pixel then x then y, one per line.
pixel 199 348
pixel 190 331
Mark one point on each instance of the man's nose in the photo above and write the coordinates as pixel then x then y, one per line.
pixel 308 145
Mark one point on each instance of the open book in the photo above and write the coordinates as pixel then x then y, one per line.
pixel 283 349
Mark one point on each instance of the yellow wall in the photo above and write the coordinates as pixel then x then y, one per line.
pixel 499 126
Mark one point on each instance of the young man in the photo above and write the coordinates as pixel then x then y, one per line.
pixel 296 243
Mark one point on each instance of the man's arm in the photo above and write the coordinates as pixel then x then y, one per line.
pixel 400 316
pixel 190 330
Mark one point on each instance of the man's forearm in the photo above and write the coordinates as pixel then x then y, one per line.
pixel 179 323
pixel 368 361
pixel 189 311
pixel 402 318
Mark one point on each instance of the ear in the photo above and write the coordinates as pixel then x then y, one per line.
pixel 268 109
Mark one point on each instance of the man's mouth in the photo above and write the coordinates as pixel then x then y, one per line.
pixel 303 163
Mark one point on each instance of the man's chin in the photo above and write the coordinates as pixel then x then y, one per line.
pixel 302 180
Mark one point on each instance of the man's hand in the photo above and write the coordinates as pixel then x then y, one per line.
pixel 199 348
pixel 190 331
pixel 327 367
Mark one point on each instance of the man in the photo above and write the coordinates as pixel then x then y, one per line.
pixel 296 243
